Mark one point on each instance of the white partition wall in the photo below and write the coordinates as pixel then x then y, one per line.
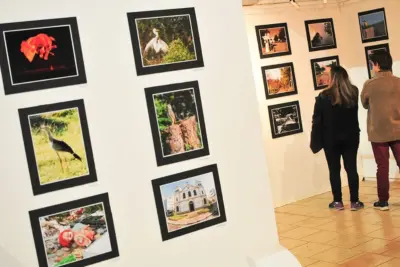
pixel 122 143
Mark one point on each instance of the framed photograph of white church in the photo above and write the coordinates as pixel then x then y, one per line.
pixel 177 122
pixel 189 201
pixel 57 145
pixel 285 119
pixel 165 40
pixel 76 233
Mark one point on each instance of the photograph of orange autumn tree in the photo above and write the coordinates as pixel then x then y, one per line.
pixel 279 80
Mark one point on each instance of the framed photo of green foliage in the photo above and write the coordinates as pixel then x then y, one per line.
pixel 57 146
pixel 177 122
pixel 165 40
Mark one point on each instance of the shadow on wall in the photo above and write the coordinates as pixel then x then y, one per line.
pixel 7 259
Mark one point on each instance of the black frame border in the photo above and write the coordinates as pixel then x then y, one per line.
pixel 381 38
pixel 277 66
pixel 274 135
pixel 180 176
pixel 284 25
pixel 37 233
pixel 41 85
pixel 310 48
pixel 140 69
pixel 374 47
pixel 161 160
pixel 30 153
pixel 316 60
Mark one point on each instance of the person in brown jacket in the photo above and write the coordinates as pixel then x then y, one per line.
pixel 381 96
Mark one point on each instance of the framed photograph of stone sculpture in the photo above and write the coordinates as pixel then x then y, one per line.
pixel 42 54
pixel 273 40
pixel 373 26
pixel 321 68
pixel 285 119
pixel 177 122
pixel 165 40
pixel 370 50
pixel 320 34
pixel 279 80
pixel 57 146
pixel 189 201
pixel 75 234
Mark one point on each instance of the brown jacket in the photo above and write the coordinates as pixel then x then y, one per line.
pixel 381 96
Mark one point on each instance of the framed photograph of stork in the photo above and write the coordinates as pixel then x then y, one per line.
pixel 177 122
pixel 165 40
pixel 189 201
pixel 43 54
pixel 285 119
pixel 75 234
pixel 273 40
pixel 57 145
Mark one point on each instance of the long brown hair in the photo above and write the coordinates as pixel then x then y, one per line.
pixel 341 90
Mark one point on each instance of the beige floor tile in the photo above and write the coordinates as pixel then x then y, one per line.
pixel 310 249
pixel 305 262
pixel 336 225
pixel 321 237
pixel 336 255
pixel 285 227
pixel 392 249
pixel 297 209
pixel 392 263
pixel 291 243
pixel 324 264
pixel 349 240
pixel 376 246
pixel 299 232
pixel 313 222
pixel 362 228
pixel 284 218
pixel 366 260
pixel 386 233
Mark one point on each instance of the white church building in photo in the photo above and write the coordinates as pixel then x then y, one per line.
pixel 189 198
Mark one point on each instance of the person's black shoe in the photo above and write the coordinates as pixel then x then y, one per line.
pixel 382 205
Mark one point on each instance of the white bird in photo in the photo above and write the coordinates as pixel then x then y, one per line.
pixel 156 45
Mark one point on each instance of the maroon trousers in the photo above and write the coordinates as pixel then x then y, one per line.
pixel 381 154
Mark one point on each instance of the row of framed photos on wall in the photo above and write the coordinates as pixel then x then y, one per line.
pixel 37 55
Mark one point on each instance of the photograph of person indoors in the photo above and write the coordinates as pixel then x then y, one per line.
pixel 381 96
pixel 335 129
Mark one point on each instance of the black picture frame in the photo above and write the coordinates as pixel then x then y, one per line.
pixel 157 183
pixel 38 238
pixel 374 47
pixel 274 127
pixel 312 47
pixel 279 66
pixel 136 44
pixel 384 36
pixel 158 146
pixel 317 60
pixel 65 70
pixel 260 28
pixel 37 187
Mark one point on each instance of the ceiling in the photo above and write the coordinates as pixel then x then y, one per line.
pixel 283 2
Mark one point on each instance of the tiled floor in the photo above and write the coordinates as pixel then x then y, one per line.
pixel 319 237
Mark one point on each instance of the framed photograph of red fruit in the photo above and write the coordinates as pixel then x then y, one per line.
pixel 44 54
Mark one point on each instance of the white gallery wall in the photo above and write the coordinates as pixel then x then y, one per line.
pixel 122 142
pixel 295 172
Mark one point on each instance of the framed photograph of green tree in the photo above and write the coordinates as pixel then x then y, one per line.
pixel 320 34
pixel 165 40
pixel 177 122
pixel 321 68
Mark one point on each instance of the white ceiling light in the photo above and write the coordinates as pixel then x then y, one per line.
pixel 325 1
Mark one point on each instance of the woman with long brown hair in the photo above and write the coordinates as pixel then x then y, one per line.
pixel 336 130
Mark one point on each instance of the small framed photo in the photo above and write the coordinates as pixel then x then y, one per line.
pixel 320 34
pixel 57 146
pixel 285 119
pixel 321 68
pixel 189 201
pixel 373 26
pixel 177 122
pixel 165 40
pixel 273 40
pixel 42 54
pixel 370 50
pixel 279 80
pixel 75 234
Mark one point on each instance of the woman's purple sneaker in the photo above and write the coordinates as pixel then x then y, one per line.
pixel 356 205
pixel 336 205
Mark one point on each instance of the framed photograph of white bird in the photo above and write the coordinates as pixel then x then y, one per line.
pixel 273 40
pixel 177 122
pixel 189 201
pixel 57 146
pixel 285 119
pixel 165 40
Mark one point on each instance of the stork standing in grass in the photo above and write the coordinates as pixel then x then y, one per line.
pixel 156 45
pixel 59 146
